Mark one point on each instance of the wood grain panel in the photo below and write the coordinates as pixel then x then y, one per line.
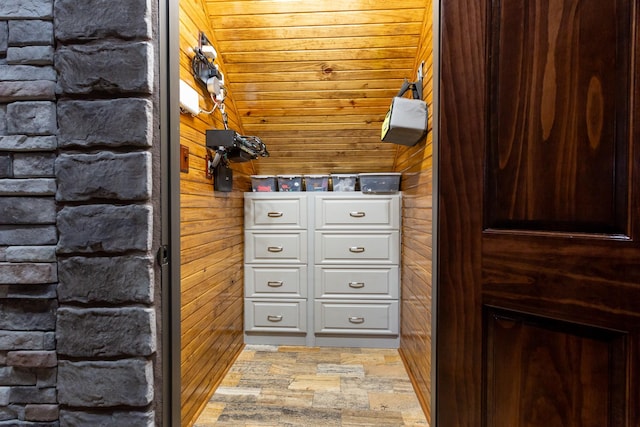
pixel 521 273
pixel 557 150
pixel 222 347
pixel 301 70
pixel 322 94
pixel 348 105
pixel 463 27
pixel 211 229
pixel 257 7
pixel 316 76
pixel 322 43
pixel 543 373
pixel 309 86
pixel 417 336
pixel 371 29
pixel 567 352
pixel 249 20
pixel 326 67
pixel 318 55
pixel 416 283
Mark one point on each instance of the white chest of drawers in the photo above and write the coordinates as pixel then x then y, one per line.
pixel 322 269
pixel 275 271
pixel 356 275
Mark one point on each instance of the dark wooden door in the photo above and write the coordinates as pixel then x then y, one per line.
pixel 538 298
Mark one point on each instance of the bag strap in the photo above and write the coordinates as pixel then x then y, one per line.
pixel 416 88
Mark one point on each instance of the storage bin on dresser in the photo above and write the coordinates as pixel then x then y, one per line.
pixel 356 274
pixel 322 268
pixel 276 275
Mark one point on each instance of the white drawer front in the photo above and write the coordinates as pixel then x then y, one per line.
pixel 280 246
pixel 371 318
pixel 276 212
pixel 353 282
pixel 378 212
pixel 281 316
pixel 275 281
pixel 369 247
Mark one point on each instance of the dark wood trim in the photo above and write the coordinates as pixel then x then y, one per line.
pixel 461 153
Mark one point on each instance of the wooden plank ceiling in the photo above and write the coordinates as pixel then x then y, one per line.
pixel 314 79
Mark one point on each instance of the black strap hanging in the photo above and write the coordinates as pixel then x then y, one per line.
pixel 416 88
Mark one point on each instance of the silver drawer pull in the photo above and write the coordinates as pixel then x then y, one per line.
pixel 356 249
pixel 274 248
pixel 272 318
pixel 356 285
pixel 356 319
pixel 356 214
pixel 275 284
pixel 274 214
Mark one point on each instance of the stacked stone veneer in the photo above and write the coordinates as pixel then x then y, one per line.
pixel 78 338
pixel 28 237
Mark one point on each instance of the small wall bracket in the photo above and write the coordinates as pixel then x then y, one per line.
pixel 184 158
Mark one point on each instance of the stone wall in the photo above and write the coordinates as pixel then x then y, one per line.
pixel 28 237
pixel 78 339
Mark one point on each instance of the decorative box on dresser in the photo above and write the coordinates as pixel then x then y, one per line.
pixel 322 269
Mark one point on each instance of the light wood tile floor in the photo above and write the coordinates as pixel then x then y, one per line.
pixel 314 386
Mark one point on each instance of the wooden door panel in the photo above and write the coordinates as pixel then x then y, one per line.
pixel 559 72
pixel 538 292
pixel 564 278
pixel 543 373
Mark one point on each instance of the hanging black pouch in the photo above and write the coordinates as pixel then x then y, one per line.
pixel 222 178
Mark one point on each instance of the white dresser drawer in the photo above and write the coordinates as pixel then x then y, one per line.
pixel 369 318
pixel 275 281
pixel 345 212
pixel 280 246
pixel 275 316
pixel 355 282
pixel 366 247
pixel 276 212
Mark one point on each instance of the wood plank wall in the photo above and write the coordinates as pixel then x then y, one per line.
pixel 211 239
pixel 314 79
pixel 416 165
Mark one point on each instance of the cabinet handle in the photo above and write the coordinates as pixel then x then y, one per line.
pixel 274 214
pixel 272 318
pixel 275 284
pixel 356 249
pixel 357 320
pixel 274 248
pixel 356 214
pixel 356 285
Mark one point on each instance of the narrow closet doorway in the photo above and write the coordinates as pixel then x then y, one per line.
pixel 314 82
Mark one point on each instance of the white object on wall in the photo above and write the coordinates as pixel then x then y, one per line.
pixel 189 99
